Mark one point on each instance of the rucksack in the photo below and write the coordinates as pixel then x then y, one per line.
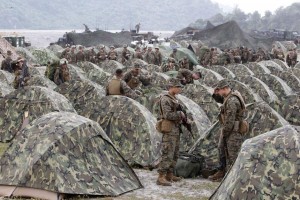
pixel 188 165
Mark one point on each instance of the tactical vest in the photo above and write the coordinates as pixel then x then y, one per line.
pixel 133 82
pixel 240 114
pixel 114 87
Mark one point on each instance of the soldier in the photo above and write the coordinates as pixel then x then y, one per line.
pixel 125 54
pixel 232 113
pixel 149 56
pixel 65 52
pixel 6 63
pixel 245 55
pixel 279 54
pixel 80 57
pixel 291 58
pixel 112 54
pixel 62 74
pixel 137 27
pixel 22 75
pixel 117 86
pixel 158 56
pixel 50 70
pixel 134 77
pixel 187 76
pixel 174 55
pixel 170 141
pixel 91 55
pixel 184 63
pixel 72 55
pixel 101 55
pixel 170 66
pixel 138 54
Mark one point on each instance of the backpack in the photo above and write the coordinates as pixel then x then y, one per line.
pixel 188 165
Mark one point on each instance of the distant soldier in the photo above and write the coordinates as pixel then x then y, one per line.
pixel 274 51
pixel 101 55
pixel 170 66
pixel 144 51
pixel 174 55
pixel 72 55
pixel 169 106
pixel 138 53
pixel 62 73
pixel 125 54
pixel 22 75
pixel 6 63
pixel 279 54
pixel 91 56
pixel 112 54
pixel 261 54
pixel 231 115
pixel 187 76
pixel 158 57
pixel 137 27
pixel 65 53
pixel 50 70
pixel 117 86
pixel 134 77
pixel 245 55
pixel 184 63
pixel 291 58
pixel 149 56
pixel 80 57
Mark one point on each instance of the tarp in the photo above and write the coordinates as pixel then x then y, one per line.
pixel 66 154
pixel 34 99
pixel 267 168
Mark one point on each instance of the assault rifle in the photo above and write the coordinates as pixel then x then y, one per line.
pixel 24 74
pixel 185 122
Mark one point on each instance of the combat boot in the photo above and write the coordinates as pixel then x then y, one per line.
pixel 218 176
pixel 170 177
pixel 162 180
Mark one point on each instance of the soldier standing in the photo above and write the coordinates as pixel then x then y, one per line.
pixel 125 54
pixel 22 75
pixel 184 63
pixel 117 86
pixel 232 113
pixel 65 52
pixel 80 57
pixel 6 63
pixel 72 56
pixel 62 74
pixel 149 56
pixel 112 54
pixel 158 56
pixel 170 66
pixel 137 27
pixel 138 54
pixel 134 77
pixel 174 55
pixel 170 141
pixel 101 55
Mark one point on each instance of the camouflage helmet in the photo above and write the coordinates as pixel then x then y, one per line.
pixel 174 82
pixel 222 84
pixel 171 60
pixel 112 47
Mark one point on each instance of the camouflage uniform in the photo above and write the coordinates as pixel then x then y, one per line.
pixel 117 86
pixel 133 81
pixel 23 74
pixel 158 58
pixel 80 57
pixel 91 56
pixel 174 55
pixel 101 55
pixel 112 55
pixel 138 54
pixel 184 64
pixel 125 55
pixel 187 75
pixel 6 65
pixel 72 56
pixel 149 57
pixel 61 74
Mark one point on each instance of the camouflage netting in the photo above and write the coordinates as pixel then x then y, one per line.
pixel 6 77
pixel 291 80
pixel 81 93
pixel 202 95
pixel 247 93
pixel 209 77
pixel 25 53
pixel 259 88
pixel 111 66
pixel 94 73
pixel 267 168
pixel 67 154
pixel 261 117
pixel 41 81
pixel 276 84
pixel 43 56
pixel 240 70
pixel 258 68
pixel 288 107
pixel 223 71
pixel 34 99
pixel 130 126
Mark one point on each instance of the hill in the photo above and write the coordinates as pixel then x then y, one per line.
pixel 103 14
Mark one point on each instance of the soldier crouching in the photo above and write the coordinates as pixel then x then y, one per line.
pixel 169 107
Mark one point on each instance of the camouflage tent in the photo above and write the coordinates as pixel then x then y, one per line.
pixel 272 66
pixel 296 72
pixel 297 65
pixel 56 49
pixel 202 95
pixel 76 72
pixel 152 68
pixel 223 71
pixel 130 126
pixel 41 70
pixel 41 81
pixel 291 80
pixel 171 74
pixel 36 100
pixel 282 64
pixel 43 56
pixel 276 84
pixel 25 53
pixel 209 77
pixel 267 168
pixel 240 70
pixel 258 68
pixel 33 71
pixel 5 89
pixel 261 117
pixel 259 88
pixel 139 61
pixel 64 154
pixel 81 93
pixel 182 52
pixel 6 77
pixel 111 66
pixel 288 108
pixel 159 79
pixel 94 73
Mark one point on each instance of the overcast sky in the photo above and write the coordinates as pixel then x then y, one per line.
pixel 259 5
